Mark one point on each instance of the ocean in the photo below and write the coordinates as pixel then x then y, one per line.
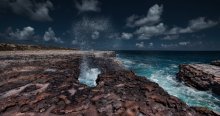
pixel 161 67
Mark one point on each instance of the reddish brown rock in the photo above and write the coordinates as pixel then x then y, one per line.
pixel 201 76
pixel 46 83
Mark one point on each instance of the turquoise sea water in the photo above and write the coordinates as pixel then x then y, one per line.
pixel 161 67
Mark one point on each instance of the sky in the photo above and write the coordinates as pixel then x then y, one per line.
pixel 187 25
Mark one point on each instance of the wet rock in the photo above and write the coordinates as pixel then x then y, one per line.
pixel 216 63
pixel 200 76
pixel 215 88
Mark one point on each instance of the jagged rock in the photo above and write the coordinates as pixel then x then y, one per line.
pixel 216 63
pixel 201 76
pixel 46 83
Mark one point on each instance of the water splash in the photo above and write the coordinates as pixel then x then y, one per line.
pixel 85 32
pixel 88 75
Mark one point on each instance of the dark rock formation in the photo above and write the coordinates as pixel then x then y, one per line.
pixel 14 47
pixel 39 84
pixel 216 63
pixel 201 76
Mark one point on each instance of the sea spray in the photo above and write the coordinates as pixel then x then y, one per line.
pixel 86 31
pixel 88 75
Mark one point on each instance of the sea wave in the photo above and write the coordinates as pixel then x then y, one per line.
pixel 165 76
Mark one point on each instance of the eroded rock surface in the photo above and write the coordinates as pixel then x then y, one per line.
pixel 201 76
pixel 40 84
pixel 216 63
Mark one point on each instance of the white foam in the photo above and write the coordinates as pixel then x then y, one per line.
pixel 165 77
pixel 190 95
pixel 88 75
pixel 126 62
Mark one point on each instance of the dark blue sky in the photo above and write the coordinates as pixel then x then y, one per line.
pixel 112 24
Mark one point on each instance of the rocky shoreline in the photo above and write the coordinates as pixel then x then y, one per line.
pixel 201 76
pixel 16 47
pixel 40 83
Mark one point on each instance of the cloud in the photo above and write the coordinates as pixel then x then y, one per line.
pixel 95 35
pixel 92 24
pixel 152 26
pixel 169 45
pixel 126 35
pixel 28 33
pixel 114 36
pixel 121 36
pixel 24 34
pixel 50 35
pixel 146 32
pixel 38 11
pixel 90 28
pixel 153 17
pixel 74 42
pixel 184 43
pixel 87 31
pixel 170 37
pixel 151 44
pixel 194 26
pixel 130 20
pixel 140 45
pixel 87 5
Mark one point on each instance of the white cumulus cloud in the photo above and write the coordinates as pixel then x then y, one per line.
pixel 38 11
pixel 153 17
pixel 140 45
pixel 50 35
pixel 95 35
pixel 126 35
pixel 87 5
pixel 24 34
pixel 151 25
pixel 194 26
pixel 146 32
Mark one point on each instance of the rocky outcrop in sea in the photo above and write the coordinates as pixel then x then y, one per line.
pixel 201 76
pixel 41 83
pixel 216 63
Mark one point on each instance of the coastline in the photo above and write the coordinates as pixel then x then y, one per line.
pixel 38 83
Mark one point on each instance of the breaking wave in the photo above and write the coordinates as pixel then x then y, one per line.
pixel 163 71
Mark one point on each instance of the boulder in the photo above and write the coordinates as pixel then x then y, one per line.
pixel 200 76
pixel 216 63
